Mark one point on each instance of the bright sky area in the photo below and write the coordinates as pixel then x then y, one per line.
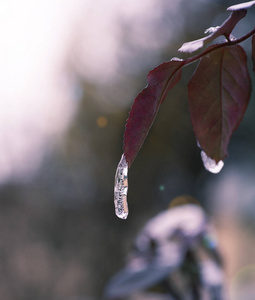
pixel 37 90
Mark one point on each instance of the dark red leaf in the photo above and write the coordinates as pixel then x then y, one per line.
pixel 225 30
pixel 253 51
pixel 146 106
pixel 219 92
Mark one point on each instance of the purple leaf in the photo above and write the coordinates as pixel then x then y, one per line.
pixel 146 105
pixel 245 5
pixel 219 92
pixel 225 29
pixel 253 51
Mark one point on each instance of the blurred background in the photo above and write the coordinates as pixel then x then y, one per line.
pixel 69 71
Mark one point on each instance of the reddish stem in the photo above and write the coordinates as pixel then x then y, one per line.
pixel 218 46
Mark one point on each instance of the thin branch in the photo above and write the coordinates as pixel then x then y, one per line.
pixel 218 46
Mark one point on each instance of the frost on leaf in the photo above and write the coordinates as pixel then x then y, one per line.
pixel 193 46
pixel 146 105
pixel 211 29
pixel 210 164
pixel 253 51
pixel 219 92
pixel 224 30
pixel 245 5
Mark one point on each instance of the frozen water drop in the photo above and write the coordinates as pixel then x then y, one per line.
pixel 121 189
pixel 176 59
pixel 211 29
pixel 210 164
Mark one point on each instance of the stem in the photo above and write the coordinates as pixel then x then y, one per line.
pixel 218 46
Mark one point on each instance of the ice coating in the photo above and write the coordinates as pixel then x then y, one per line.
pixel 121 189
pixel 210 164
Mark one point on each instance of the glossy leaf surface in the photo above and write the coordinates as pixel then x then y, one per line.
pixel 146 105
pixel 219 92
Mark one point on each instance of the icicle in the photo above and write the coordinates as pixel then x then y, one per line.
pixel 210 164
pixel 121 188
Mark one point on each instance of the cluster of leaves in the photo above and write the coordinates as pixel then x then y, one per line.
pixel 218 92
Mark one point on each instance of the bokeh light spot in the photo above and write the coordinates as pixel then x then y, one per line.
pixel 184 199
pixel 102 122
pixel 161 188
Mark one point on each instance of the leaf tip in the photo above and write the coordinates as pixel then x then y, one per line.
pixel 192 46
pixel 210 164
pixel 240 6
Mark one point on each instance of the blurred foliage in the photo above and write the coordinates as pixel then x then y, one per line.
pixel 175 253
pixel 59 237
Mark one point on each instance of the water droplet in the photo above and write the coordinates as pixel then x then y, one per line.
pixel 121 189
pixel 210 164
